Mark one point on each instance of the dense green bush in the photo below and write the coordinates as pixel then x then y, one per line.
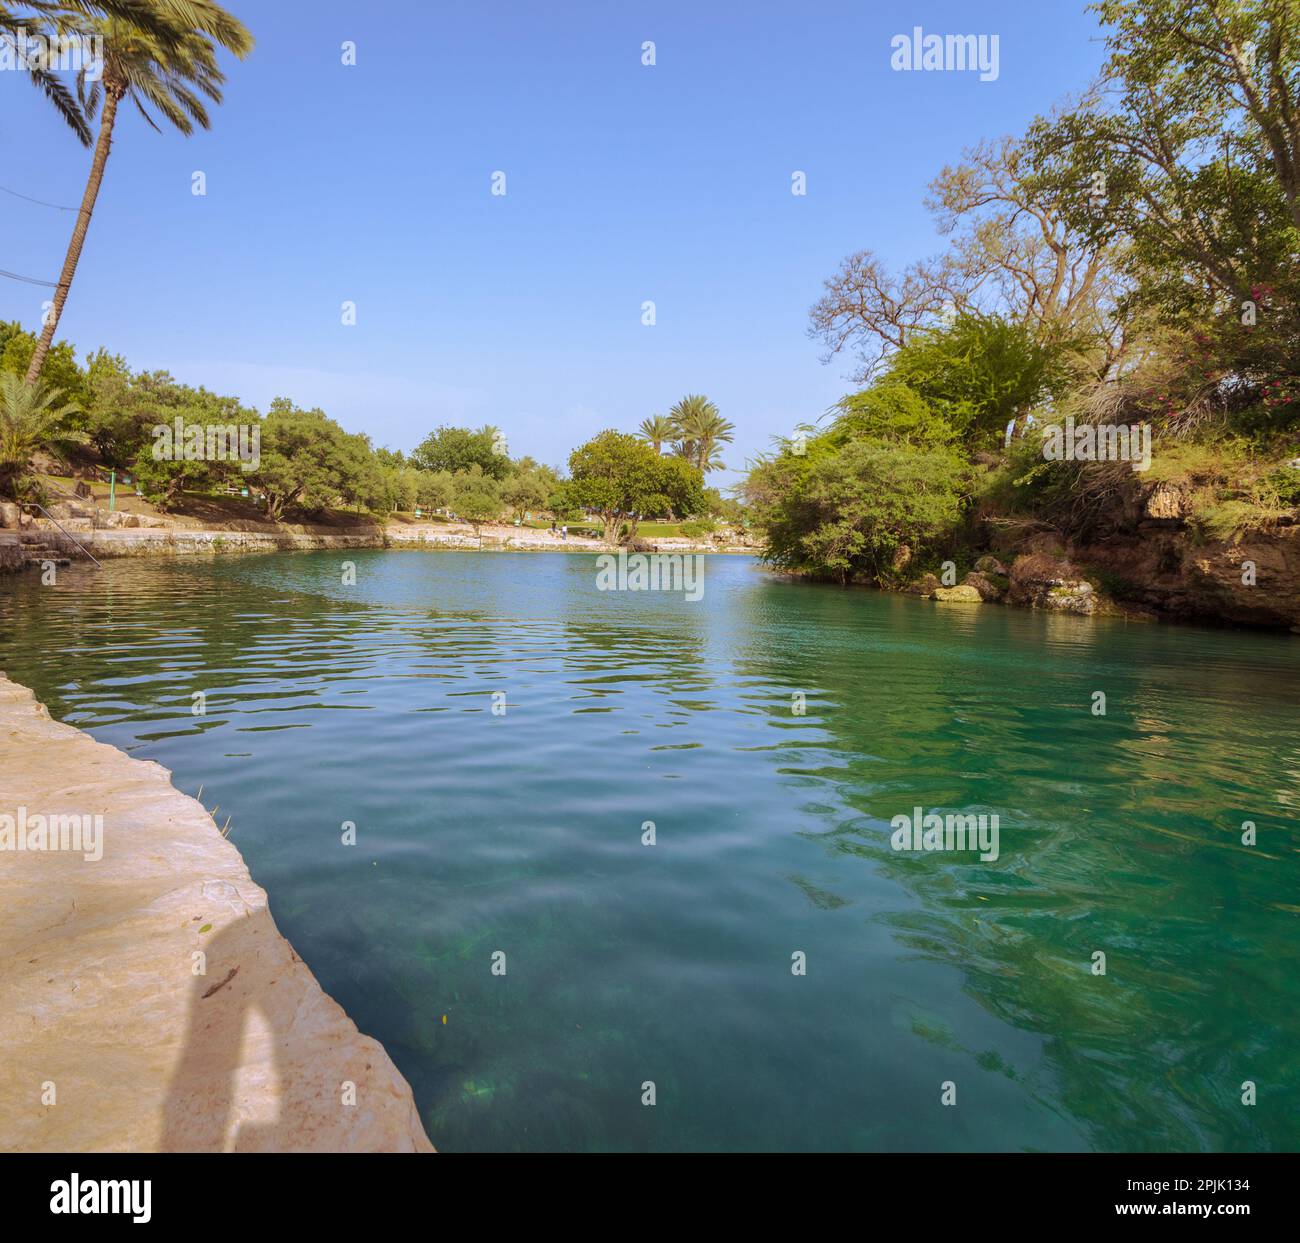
pixel 891 410
pixel 981 372
pixel 847 511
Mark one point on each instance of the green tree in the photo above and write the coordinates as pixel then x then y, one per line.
pixel 476 498
pixel 33 418
pixel 621 478
pixel 165 466
pixel 981 372
pixel 848 512
pixel 117 420
pixel 1188 149
pixel 526 490
pixel 61 371
pixel 384 482
pixel 657 430
pixel 166 65
pixel 700 430
pixel 890 410
pixel 1186 156
pixel 680 493
pixel 308 460
pixel 725 507
pixel 457 449
pixel 122 408
pixel 434 489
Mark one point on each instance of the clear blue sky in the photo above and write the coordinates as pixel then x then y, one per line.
pixel 625 183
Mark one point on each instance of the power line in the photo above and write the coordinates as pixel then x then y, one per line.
pixel 28 280
pixel 39 202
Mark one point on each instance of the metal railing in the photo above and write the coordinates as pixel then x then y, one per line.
pixel 66 534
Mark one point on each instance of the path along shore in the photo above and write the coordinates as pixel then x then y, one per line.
pixel 147 1000
pixel 17 548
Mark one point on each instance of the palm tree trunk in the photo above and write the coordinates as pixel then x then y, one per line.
pixel 102 146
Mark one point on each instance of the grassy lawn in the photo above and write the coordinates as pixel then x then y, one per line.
pixel 215 509
pixel 221 509
pixel 408 516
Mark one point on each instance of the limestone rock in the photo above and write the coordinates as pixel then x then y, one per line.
pixel 923 586
pixel 1070 597
pixel 962 594
pixel 1165 502
pixel 1042 581
pixel 1256 580
pixel 984 584
pixel 65 510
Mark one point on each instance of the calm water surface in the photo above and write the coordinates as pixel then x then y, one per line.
pixel 672 963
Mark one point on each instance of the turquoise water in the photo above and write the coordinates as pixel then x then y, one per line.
pixel 671 963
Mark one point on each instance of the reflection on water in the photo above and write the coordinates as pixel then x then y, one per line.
pixel 521 833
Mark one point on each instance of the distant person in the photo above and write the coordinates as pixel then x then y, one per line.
pixel 564 532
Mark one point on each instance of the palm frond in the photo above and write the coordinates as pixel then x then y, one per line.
pixel 65 103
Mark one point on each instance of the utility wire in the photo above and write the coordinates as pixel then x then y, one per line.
pixel 39 202
pixel 31 280
pixel 28 280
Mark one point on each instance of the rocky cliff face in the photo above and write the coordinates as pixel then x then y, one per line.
pixel 1155 567
pixel 1254 581
pixel 147 1000
pixel 1155 558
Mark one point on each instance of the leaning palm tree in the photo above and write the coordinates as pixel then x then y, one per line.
pixel 656 429
pixel 700 429
pixel 54 19
pixel 32 418
pixel 165 67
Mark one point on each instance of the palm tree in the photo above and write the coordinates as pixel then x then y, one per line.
pixel 700 429
pixel 712 432
pixel 656 429
pixel 166 65
pixel 711 458
pixel 51 18
pixel 31 419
